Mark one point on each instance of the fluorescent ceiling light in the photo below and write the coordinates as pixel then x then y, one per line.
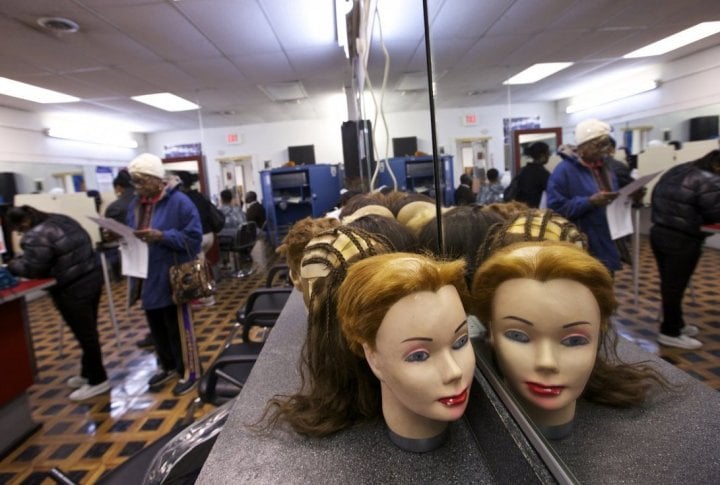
pixel 609 94
pixel 16 89
pixel 89 135
pixel 676 41
pixel 166 101
pixel 537 72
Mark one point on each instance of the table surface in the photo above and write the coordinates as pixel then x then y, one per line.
pixel 25 287
pixel 672 439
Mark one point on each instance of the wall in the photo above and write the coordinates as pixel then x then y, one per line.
pixel 25 145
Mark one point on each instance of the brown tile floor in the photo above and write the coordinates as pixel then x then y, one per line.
pixel 89 438
pixel 86 439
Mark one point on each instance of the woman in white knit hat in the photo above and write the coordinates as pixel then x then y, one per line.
pixel 582 185
pixel 169 223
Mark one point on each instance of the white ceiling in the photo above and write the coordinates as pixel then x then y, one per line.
pixel 218 52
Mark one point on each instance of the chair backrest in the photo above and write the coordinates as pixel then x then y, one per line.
pixel 246 235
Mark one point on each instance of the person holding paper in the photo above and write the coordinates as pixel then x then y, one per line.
pixel 686 197
pixel 583 185
pixel 168 221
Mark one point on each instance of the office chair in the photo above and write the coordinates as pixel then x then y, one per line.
pixel 226 376
pixel 245 239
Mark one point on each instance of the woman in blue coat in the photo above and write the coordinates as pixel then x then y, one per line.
pixel 168 221
pixel 582 185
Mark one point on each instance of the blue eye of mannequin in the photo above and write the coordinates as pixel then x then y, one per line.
pixel 517 336
pixel 459 343
pixel 419 356
pixel 575 340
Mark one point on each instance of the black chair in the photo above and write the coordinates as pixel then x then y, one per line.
pixel 245 239
pixel 278 275
pixel 226 376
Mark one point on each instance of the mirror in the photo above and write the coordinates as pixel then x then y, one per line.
pixel 522 139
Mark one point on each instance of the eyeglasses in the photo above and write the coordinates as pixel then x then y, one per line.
pixel 143 180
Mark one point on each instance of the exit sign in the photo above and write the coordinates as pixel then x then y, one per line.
pixel 470 120
pixel 233 138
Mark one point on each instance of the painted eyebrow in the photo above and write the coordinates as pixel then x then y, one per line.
pixel 427 339
pixel 527 322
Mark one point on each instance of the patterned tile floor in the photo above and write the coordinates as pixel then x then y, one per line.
pixel 89 438
pixel 86 439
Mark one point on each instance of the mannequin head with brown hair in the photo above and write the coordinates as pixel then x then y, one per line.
pixel 548 306
pixel 337 387
pixel 297 238
pixel 404 314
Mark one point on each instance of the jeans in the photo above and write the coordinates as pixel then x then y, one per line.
pixel 677 254
pixel 78 305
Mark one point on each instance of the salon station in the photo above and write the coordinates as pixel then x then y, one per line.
pixel 372 329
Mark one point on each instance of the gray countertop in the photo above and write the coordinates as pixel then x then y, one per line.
pixel 672 440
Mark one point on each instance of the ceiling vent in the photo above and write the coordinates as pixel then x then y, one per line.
pixel 58 25
pixel 292 91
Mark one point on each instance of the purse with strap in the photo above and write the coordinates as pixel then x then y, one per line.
pixel 191 280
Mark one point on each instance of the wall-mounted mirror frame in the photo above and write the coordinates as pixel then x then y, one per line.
pixel 523 138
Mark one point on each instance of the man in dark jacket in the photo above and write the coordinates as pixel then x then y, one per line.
pixel 463 193
pixel 254 210
pixel 56 246
pixel 686 197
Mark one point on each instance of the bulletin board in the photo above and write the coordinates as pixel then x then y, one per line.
pixel 78 206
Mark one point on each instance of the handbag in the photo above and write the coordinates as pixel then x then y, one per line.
pixel 191 280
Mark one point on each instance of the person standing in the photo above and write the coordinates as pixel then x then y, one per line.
pixel 533 178
pixel 686 197
pixel 582 185
pixel 124 191
pixel 168 221
pixel 56 246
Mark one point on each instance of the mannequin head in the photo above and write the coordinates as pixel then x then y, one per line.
pixel 297 238
pixel 333 250
pixel 548 307
pixel 338 389
pixel 530 225
pixel 404 314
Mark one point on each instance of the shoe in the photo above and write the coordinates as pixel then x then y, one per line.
pixel 87 391
pixel 76 382
pixel 690 330
pixel 146 343
pixel 681 341
pixel 161 377
pixel 183 387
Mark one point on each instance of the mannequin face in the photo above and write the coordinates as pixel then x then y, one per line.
pixel 424 361
pixel 545 336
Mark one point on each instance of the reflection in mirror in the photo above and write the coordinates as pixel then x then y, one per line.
pixel 524 139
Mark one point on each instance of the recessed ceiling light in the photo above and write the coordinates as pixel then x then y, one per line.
pixel 166 101
pixel 537 72
pixel 676 41
pixel 289 91
pixel 16 89
pixel 58 24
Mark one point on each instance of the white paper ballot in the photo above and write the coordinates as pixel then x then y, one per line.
pixel 133 251
pixel 619 215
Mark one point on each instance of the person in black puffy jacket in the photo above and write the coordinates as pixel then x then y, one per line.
pixel 56 246
pixel 686 197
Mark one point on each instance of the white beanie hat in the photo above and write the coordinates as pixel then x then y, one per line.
pixel 147 164
pixel 590 129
